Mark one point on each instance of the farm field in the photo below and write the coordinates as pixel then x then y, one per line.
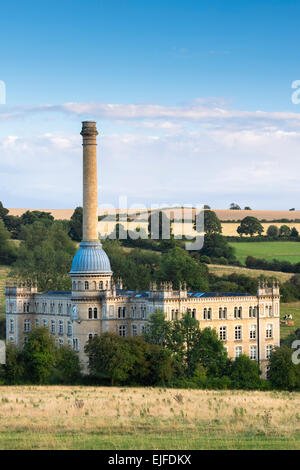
pixel 220 270
pixel 292 308
pixel 61 417
pixel 229 228
pixel 283 251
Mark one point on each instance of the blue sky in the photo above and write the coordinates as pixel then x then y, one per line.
pixel 193 100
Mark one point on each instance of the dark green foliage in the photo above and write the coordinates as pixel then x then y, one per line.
pixel 249 226
pixel 158 329
pixel 12 372
pixel 38 356
pixel 67 366
pixel 178 267
pixel 8 251
pixel 75 230
pixel 273 231
pixel 294 233
pixel 109 358
pixel 46 255
pixel 245 373
pixel 217 246
pixel 284 231
pixel 283 373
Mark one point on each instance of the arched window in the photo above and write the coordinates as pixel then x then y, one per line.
pixel 95 312
pixel 225 312
pixel 250 312
pixel 101 285
pixel 209 314
pixel 86 285
pixel 194 313
pixel 119 312
pixel 74 285
pixel 220 312
pixel 235 312
pixel 240 312
pixel 90 313
pixel 204 313
pixel 94 285
pixel 124 312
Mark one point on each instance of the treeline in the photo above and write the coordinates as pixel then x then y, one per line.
pixel 173 354
pixel 274 265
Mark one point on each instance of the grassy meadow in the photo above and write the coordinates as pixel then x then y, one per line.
pixel 64 417
pixel 283 251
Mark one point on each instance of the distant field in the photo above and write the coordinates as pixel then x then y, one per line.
pixel 229 228
pixel 220 270
pixel 283 251
pixel 116 418
pixel 294 309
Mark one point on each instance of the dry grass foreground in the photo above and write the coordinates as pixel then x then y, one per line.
pixel 61 417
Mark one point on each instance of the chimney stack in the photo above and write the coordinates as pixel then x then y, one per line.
pixel 90 197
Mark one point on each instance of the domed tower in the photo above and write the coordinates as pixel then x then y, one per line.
pixel 90 272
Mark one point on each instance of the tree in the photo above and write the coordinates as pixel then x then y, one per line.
pixel 67 366
pixel 3 211
pixel 283 374
pixel 294 233
pixel 45 254
pixel 245 373
pixel 158 329
pixel 217 246
pixel 8 251
pixel 234 206
pixel 210 352
pixel 273 231
pixel 109 358
pixel 247 208
pixel 30 217
pixel 75 230
pixel 13 370
pixel 211 223
pixel 250 226
pixel 178 267
pixel 39 356
pixel 284 231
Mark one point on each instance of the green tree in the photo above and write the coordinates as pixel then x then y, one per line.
pixel 284 231
pixel 3 211
pixel 247 208
pixel 250 226
pixel 211 223
pixel 30 217
pixel 75 230
pixel 273 231
pixel 283 374
pixel 45 254
pixel 210 352
pixel 39 356
pixel 162 366
pixel 217 246
pixel 109 358
pixel 294 233
pixel 67 368
pixel 234 206
pixel 178 267
pixel 158 329
pixel 8 251
pixel 245 373
pixel 12 372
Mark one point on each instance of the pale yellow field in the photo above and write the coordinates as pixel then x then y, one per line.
pixel 229 229
pixel 97 417
pixel 219 270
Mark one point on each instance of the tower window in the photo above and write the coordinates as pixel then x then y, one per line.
pixel 95 313
pixel 86 285
pixel 90 313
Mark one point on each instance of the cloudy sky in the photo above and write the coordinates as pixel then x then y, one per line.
pixel 193 101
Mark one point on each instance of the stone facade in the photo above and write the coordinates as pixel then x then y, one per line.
pixel 246 323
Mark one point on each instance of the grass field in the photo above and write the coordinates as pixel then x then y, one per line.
pixel 147 418
pixel 283 251
pixel 220 270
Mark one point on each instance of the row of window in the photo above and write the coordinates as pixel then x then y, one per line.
pixel 89 285
pixel 238 350
pixel 123 330
pixel 222 312
pixel 54 326
pixel 134 313
pixel 238 332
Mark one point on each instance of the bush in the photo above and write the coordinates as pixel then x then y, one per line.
pixel 245 373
